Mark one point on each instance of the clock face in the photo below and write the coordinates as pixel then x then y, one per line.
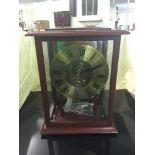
pixel 79 71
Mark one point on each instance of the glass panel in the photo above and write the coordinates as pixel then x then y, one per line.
pixel 47 61
pixel 79 72
pixel 109 53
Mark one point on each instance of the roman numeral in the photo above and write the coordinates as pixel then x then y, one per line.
pixel 100 76
pixel 98 66
pixel 93 56
pixel 69 52
pixel 82 51
pixel 60 61
pixel 65 89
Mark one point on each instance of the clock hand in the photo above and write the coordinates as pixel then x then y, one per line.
pixel 91 69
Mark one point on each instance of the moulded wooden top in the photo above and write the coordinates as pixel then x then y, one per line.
pixel 78 32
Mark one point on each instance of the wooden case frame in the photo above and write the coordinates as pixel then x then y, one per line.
pixel 106 126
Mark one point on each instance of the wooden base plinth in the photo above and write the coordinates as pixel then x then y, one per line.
pixel 78 130
pixel 64 125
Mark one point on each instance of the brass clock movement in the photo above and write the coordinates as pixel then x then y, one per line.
pixel 82 79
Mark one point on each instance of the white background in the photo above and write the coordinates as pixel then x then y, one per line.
pixel 145 78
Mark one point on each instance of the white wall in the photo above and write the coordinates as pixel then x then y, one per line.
pixel 44 11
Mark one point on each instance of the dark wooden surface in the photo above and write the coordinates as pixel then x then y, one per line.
pixel 31 119
pixel 104 147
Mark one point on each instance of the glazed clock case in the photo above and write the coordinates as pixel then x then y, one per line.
pixel 78 66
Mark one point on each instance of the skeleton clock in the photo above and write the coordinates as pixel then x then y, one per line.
pixel 79 71
pixel 82 66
